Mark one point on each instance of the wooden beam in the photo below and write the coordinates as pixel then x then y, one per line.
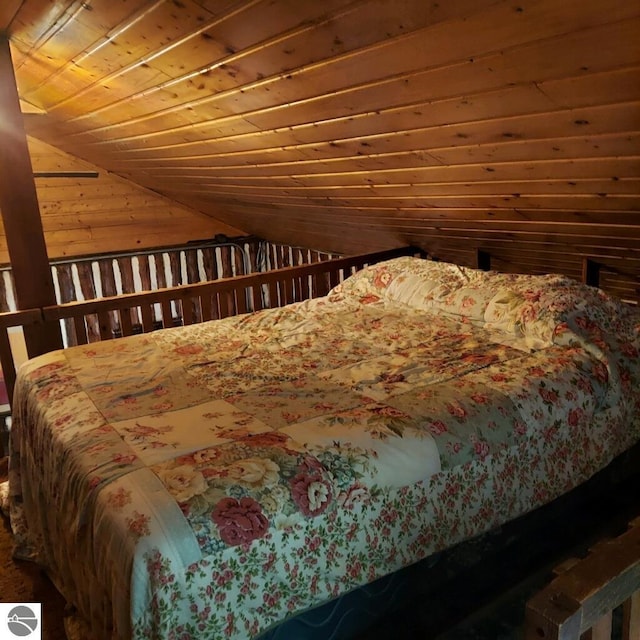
pixel 21 214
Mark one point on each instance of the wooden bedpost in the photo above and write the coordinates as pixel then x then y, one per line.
pixel 21 214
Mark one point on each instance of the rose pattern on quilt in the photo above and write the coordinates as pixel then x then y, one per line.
pixel 277 473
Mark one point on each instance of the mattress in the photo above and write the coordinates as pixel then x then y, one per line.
pixel 215 480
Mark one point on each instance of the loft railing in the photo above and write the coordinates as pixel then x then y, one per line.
pixel 124 315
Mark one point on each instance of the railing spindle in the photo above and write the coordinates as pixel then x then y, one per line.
pixel 187 310
pixel 146 311
pixel 126 326
pixel 80 330
pixel 631 617
pixel 104 321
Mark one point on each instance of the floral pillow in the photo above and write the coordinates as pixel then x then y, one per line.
pixel 422 284
pixel 525 308
pixel 407 280
pixel 521 307
pixel 533 307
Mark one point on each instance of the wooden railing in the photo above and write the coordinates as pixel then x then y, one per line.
pixel 580 602
pixel 124 315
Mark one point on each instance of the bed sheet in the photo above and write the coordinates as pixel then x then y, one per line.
pixel 212 480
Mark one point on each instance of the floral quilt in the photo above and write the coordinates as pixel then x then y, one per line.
pixel 210 481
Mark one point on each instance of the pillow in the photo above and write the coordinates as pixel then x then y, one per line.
pixel 407 280
pixel 537 308
pixel 520 308
pixel 368 284
pixel 531 309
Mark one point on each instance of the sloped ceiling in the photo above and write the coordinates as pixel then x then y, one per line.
pixel 509 127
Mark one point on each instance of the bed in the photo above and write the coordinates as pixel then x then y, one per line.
pixel 215 480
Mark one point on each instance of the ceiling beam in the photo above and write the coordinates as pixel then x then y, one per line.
pixel 21 213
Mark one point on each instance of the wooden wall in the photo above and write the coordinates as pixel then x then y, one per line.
pixel 88 216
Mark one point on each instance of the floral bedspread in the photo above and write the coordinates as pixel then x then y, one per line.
pixel 210 481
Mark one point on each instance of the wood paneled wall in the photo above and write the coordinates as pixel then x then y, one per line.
pixel 88 216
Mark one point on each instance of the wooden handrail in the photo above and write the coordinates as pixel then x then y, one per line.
pixel 187 304
pixel 110 317
pixel 581 599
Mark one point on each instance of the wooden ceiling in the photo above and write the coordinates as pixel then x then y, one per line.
pixel 507 126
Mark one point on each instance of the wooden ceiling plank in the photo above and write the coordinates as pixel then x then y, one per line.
pixel 545 188
pixel 483 32
pixel 498 248
pixel 627 238
pixel 494 104
pixel 549 55
pixel 551 125
pixel 572 244
pixel 593 235
pixel 575 191
pixel 98 36
pixel 516 101
pixel 68 31
pixel 606 209
pixel 522 99
pixel 576 146
pixel 462 78
pixel 623 84
pixel 560 232
pixel 566 169
pixel 326 46
pixel 549 255
pixel 515 133
pixel 210 45
pixel 597 146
